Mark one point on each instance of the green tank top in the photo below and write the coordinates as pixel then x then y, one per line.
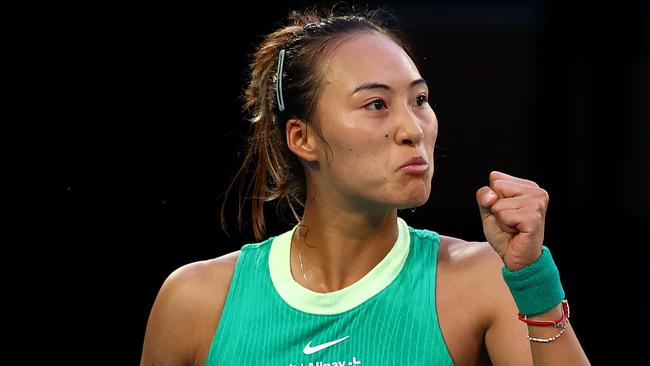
pixel 388 317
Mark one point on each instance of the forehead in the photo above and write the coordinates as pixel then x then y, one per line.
pixel 368 57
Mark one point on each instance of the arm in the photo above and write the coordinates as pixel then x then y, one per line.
pixel 565 350
pixel 168 338
pixel 505 338
pixel 186 313
pixel 513 212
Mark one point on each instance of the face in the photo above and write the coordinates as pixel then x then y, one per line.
pixel 373 112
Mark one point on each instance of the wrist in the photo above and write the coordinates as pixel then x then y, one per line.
pixel 536 288
pixel 553 313
pixel 512 267
pixel 542 330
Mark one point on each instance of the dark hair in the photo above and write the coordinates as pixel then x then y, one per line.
pixel 277 173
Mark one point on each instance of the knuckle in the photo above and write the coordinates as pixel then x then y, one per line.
pixel 544 194
pixel 544 198
pixel 497 208
pixel 497 184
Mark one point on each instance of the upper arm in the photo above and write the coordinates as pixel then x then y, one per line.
pixel 186 312
pixel 477 311
pixel 505 337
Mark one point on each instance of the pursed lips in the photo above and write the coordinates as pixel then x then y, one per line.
pixel 417 164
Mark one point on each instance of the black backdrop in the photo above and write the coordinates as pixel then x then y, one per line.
pixel 152 131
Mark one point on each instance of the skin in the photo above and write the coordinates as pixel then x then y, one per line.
pixel 355 185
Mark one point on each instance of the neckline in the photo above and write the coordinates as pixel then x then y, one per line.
pixel 306 300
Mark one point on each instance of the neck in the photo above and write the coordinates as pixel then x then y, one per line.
pixel 342 251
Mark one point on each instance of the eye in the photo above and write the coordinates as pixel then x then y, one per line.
pixel 420 100
pixel 376 105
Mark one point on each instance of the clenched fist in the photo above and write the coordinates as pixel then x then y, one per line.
pixel 513 211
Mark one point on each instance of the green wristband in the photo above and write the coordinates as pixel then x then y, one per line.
pixel 536 288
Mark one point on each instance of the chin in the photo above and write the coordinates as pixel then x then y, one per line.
pixel 415 200
pixel 411 205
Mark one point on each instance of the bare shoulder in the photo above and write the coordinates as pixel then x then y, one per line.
pixel 475 306
pixel 460 254
pixel 203 273
pixel 186 312
pixel 469 278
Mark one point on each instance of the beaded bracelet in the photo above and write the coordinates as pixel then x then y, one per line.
pixel 560 324
pixel 562 327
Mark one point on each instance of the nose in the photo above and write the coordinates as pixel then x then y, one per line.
pixel 409 130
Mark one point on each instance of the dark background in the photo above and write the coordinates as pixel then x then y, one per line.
pixel 150 131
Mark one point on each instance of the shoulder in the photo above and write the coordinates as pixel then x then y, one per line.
pixel 474 296
pixel 472 270
pixel 186 311
pixel 461 254
pixel 198 284
pixel 197 273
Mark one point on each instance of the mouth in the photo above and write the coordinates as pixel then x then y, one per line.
pixel 416 165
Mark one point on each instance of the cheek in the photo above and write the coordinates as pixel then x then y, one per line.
pixel 360 153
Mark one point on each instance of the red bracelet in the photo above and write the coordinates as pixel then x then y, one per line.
pixel 558 323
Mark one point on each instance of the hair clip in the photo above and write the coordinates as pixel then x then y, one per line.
pixel 278 80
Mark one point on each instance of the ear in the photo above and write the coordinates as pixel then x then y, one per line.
pixel 301 140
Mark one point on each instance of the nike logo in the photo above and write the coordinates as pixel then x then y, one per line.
pixel 309 349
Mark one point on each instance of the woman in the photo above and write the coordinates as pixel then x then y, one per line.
pixel 343 128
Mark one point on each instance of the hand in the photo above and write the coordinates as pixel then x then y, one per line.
pixel 513 211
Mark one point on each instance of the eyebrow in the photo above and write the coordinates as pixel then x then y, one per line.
pixel 376 85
